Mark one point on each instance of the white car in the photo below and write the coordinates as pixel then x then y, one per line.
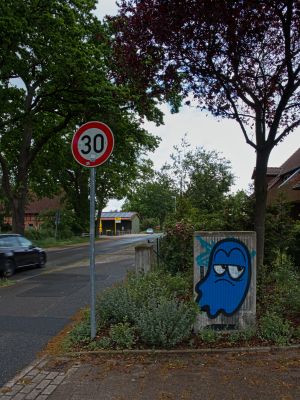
pixel 149 231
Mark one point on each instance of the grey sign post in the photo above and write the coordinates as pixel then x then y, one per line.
pixel 92 251
pixel 92 145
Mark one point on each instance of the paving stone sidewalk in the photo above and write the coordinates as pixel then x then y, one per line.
pixel 36 382
pixel 241 375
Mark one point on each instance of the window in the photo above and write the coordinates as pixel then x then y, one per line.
pixel 24 242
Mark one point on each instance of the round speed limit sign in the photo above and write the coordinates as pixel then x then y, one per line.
pixel 92 144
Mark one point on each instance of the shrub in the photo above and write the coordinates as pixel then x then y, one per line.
pixel 122 335
pixel 208 335
pixel 176 247
pixel 102 343
pixel 165 322
pixel 81 333
pixel 114 305
pixel 275 329
pixel 279 287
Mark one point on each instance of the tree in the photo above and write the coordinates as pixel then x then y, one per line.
pixel 54 75
pixel 152 200
pixel 203 178
pixel 113 179
pixel 50 74
pixel 239 59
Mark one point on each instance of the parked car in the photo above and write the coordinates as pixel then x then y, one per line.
pixel 16 251
pixel 149 230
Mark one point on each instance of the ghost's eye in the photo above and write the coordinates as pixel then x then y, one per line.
pixel 235 271
pixel 219 269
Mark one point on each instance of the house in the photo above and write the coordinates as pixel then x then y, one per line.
pixel 285 181
pixel 35 209
pixel 119 223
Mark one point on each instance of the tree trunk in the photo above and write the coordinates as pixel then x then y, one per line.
pixel 260 186
pixel 18 213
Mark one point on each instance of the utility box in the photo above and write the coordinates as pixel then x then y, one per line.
pixel 225 279
pixel 144 257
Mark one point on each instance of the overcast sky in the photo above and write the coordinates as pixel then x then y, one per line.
pixel 224 136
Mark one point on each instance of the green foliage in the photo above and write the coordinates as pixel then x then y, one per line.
pixel 209 335
pixel 4 282
pixel 122 335
pixel 113 306
pixel 176 247
pixel 296 333
pixel 294 246
pixel 242 335
pixel 279 288
pixel 275 329
pixel 152 200
pixel 55 73
pixel 149 223
pixel 165 322
pixel 102 343
pixel 149 306
pixel 238 212
pixel 280 232
pixel 67 227
pixel 81 333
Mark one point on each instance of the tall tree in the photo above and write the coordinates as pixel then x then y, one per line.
pixel 152 200
pixel 50 73
pixel 240 59
pixel 203 177
pixel 113 179
pixel 54 74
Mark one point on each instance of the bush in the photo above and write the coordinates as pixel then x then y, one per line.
pixel 279 288
pixel 165 322
pixel 147 304
pixel 208 335
pixel 81 333
pixel 102 343
pixel 121 303
pixel 176 247
pixel 114 305
pixel 275 329
pixel 122 335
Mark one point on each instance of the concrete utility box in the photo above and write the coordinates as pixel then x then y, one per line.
pixel 144 257
pixel 225 279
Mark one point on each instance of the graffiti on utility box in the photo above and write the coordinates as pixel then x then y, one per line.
pixel 224 270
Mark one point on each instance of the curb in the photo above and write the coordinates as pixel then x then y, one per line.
pixel 262 349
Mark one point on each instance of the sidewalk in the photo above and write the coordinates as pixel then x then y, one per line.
pixel 161 376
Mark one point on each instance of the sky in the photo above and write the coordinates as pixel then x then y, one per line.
pixel 223 136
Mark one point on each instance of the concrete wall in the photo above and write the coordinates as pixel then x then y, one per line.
pixel 214 292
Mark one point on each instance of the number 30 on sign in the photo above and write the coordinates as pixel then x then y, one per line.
pixel 92 144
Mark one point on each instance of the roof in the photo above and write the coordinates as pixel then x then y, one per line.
pixel 45 204
pixel 125 215
pixel 271 171
pixel 291 163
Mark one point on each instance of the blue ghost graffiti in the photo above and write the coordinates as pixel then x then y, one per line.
pixel 225 286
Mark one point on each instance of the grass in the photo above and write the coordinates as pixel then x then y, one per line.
pixel 52 242
pixel 4 282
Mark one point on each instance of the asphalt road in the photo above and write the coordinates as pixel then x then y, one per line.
pixel 42 301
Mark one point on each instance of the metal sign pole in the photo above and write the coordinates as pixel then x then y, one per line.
pixel 92 251
pixel 92 144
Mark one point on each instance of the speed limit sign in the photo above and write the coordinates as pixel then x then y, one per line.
pixel 92 144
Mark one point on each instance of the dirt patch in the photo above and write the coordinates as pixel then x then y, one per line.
pixel 237 375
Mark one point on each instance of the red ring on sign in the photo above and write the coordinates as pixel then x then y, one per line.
pixel 110 144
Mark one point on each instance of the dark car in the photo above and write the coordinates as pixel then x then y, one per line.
pixel 16 251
